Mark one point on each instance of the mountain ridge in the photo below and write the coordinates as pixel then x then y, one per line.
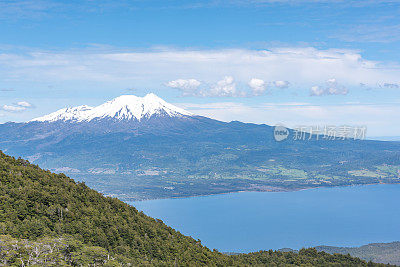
pixel 125 107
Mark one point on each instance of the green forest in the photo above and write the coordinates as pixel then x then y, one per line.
pixel 48 219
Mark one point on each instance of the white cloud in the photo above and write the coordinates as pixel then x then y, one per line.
pixel 11 108
pixel 224 87
pixel 317 91
pixel 304 67
pixel 17 107
pixel 281 84
pixel 24 104
pixel 188 87
pixel 331 87
pixel 257 86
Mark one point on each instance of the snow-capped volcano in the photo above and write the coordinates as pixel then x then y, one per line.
pixel 125 107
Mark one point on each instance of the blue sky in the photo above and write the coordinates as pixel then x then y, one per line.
pixel 296 62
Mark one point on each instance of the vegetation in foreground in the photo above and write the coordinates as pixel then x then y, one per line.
pixel 47 219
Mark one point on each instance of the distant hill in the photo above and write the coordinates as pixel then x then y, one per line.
pixel 376 252
pixel 143 147
pixel 47 219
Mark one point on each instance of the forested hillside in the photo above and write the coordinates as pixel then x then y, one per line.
pixel 48 219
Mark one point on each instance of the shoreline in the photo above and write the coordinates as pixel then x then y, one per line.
pixel 276 190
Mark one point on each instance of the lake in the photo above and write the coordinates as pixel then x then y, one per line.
pixel 252 221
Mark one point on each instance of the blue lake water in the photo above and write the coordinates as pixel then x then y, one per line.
pixel 252 221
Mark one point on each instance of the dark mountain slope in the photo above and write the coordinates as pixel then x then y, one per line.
pixel 35 204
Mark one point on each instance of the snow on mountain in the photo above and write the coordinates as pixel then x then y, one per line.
pixel 66 114
pixel 125 107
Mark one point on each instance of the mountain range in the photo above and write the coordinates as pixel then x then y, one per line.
pixel 143 147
